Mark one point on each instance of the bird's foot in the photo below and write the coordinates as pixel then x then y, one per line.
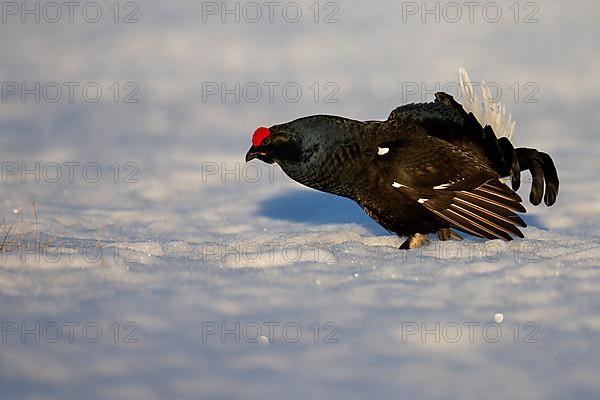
pixel 414 240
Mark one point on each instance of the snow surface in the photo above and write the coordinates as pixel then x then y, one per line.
pixel 184 250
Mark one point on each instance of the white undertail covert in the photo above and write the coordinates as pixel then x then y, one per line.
pixel 486 110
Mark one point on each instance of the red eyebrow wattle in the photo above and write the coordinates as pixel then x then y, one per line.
pixel 259 135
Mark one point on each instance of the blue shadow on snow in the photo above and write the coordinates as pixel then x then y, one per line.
pixel 313 207
pixel 317 208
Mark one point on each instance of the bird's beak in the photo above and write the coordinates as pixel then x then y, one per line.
pixel 256 153
pixel 251 154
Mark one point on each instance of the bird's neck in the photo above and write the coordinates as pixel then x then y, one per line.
pixel 330 169
pixel 322 179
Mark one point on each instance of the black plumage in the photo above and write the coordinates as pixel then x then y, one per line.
pixel 428 168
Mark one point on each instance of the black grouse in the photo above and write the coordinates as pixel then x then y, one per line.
pixel 426 169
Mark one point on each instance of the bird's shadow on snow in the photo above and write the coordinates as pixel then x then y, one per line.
pixel 532 220
pixel 317 208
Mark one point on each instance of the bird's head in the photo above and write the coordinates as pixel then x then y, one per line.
pixel 272 145
pixel 297 141
pixel 283 144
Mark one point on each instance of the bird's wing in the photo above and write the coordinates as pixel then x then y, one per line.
pixel 447 120
pixel 452 184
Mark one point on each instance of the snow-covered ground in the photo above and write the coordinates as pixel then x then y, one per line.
pixel 180 272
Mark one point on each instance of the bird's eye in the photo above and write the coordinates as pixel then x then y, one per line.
pixel 266 142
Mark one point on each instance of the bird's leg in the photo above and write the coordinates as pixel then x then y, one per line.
pixel 443 234
pixel 447 234
pixel 414 240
